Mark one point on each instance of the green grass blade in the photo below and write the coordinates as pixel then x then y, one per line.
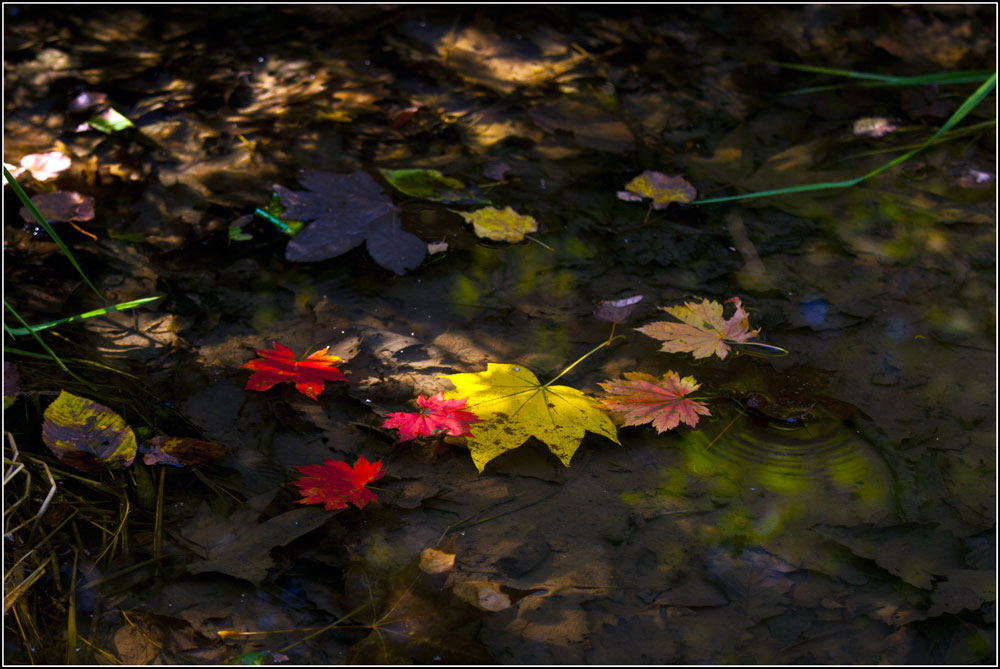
pixel 14 332
pixel 26 201
pixel 939 78
pixel 37 338
pixel 970 103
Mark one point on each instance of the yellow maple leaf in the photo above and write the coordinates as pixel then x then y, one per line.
pixel 500 225
pixel 515 406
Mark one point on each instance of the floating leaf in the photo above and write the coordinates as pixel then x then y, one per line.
pixel 616 311
pixel 44 166
pixel 61 206
pixel 87 435
pixel 336 483
pixel 346 210
pixel 279 365
pixel 660 188
pixel 180 451
pixel 642 398
pixel 86 100
pixel 501 226
pixel 436 416
pixel 515 406
pixel 109 121
pixel 702 330
pixel 432 185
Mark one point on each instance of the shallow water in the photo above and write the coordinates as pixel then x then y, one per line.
pixel 849 518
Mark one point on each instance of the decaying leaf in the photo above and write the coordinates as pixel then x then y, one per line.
pixel 432 185
pixel 590 124
pixel 180 451
pixel 514 406
pixel 659 187
pixel 642 398
pixel 616 311
pixel 414 615
pixel 346 210
pixel 234 542
pixel 61 206
pixel 10 379
pixel 500 225
pixel 87 435
pixel 279 365
pixel 335 483
pixel 436 416
pixel 702 330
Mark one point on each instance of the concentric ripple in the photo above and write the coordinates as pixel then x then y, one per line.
pixel 783 453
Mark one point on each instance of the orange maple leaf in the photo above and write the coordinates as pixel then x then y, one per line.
pixel 643 398
pixel 702 330
pixel 279 365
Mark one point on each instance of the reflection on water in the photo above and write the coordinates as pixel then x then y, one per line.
pixel 789 456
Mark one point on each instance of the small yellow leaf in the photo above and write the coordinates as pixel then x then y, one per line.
pixel 502 226
pixel 514 406
pixel 662 189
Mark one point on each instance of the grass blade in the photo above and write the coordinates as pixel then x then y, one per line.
pixel 26 201
pixel 970 103
pixel 14 332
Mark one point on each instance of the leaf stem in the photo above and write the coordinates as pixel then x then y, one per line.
pixel 584 357
pixel 780 351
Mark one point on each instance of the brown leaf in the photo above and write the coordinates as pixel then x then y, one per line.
pixel 61 206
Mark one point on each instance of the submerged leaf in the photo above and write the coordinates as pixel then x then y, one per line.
pixel 180 451
pixel 346 210
pixel 279 365
pixel 432 185
pixel 87 435
pixel 10 379
pixel 335 483
pixel 660 188
pixel 642 398
pixel 702 330
pixel 502 226
pixel 514 406
pixel 61 206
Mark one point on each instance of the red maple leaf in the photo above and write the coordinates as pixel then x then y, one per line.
pixel 336 483
pixel 436 416
pixel 279 365
pixel 643 398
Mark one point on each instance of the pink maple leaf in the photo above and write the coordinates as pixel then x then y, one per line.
pixel 436 416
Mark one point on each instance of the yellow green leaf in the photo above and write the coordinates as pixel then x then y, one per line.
pixel 661 188
pixel 87 435
pixel 502 226
pixel 514 406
